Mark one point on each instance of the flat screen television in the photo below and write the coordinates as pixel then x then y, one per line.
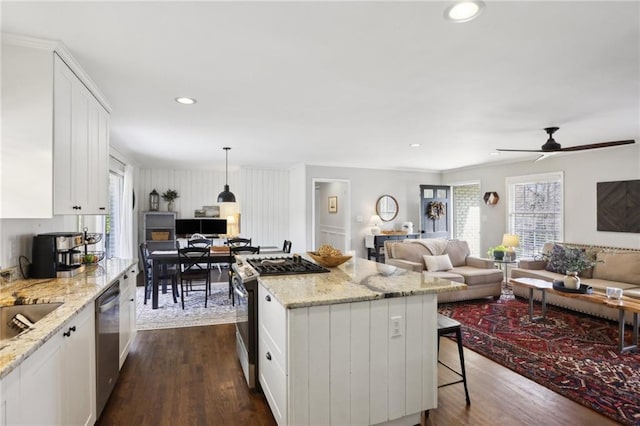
pixel 213 226
pixel 187 226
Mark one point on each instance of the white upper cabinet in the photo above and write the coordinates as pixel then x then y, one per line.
pixel 55 135
pixel 80 148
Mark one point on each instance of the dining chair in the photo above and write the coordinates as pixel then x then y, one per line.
pixel 286 247
pixel 238 242
pixel 147 269
pixel 194 264
pixel 233 251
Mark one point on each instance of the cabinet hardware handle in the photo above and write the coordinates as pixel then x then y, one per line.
pixel 267 298
pixel 103 208
pixel 268 355
pixel 66 333
pixel 72 328
pixel 132 300
pixel 126 277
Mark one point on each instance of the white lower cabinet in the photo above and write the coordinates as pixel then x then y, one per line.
pixel 127 311
pixel 345 363
pixel 55 385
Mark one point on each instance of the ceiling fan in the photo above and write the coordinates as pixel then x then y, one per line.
pixel 551 145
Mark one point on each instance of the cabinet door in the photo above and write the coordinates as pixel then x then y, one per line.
pixel 41 378
pixel 10 402
pixel 79 380
pixel 125 318
pixel 98 159
pixel 63 83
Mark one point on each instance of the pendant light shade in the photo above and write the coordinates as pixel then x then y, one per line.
pixel 226 196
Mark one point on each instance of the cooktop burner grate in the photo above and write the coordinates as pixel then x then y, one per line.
pixel 266 266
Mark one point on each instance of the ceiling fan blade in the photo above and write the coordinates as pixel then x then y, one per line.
pixel 598 145
pixel 519 150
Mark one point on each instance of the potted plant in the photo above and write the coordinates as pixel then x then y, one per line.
pixel 170 195
pixel 497 252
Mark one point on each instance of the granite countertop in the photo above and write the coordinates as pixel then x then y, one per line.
pixel 75 293
pixel 353 281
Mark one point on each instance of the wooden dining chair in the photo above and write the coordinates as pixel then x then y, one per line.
pixel 232 253
pixel 147 269
pixel 194 264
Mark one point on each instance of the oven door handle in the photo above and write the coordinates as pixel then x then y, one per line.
pixel 240 293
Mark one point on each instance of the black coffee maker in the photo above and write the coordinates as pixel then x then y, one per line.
pixel 57 255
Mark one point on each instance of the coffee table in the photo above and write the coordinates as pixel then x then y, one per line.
pixel 536 284
pixel 623 305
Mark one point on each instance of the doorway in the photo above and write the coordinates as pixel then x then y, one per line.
pixel 435 201
pixel 330 213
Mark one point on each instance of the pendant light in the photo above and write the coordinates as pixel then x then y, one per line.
pixel 226 196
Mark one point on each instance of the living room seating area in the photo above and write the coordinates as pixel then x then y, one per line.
pixel 613 267
pixel 447 259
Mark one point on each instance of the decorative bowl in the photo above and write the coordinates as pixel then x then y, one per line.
pixel 328 261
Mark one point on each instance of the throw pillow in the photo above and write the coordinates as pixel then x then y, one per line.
pixel 438 263
pixel 556 259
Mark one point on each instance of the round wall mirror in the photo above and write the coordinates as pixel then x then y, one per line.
pixel 387 208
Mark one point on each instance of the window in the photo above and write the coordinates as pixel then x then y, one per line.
pixel 535 210
pixel 113 220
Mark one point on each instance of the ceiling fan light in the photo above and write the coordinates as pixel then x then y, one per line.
pixel 464 11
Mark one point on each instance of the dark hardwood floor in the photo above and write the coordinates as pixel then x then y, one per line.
pixel 190 376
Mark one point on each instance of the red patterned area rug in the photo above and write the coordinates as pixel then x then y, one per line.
pixel 572 354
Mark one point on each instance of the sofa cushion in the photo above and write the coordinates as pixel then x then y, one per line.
pixel 445 275
pixel 410 252
pixel 618 266
pixel 458 251
pixel 437 263
pixel 478 276
pixel 556 259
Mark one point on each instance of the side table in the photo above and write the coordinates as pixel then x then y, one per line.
pixel 504 265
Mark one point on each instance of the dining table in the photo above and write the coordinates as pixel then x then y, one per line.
pixel 161 259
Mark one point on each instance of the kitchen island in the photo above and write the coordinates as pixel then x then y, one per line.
pixel 357 345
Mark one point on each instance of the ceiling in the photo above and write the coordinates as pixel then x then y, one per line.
pixel 350 83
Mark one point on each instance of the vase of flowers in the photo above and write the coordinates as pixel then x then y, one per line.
pixel 575 262
pixel 571 280
pixel 170 196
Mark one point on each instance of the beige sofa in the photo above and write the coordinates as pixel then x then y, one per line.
pixel 615 267
pixel 480 275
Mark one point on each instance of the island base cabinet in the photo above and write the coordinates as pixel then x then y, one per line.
pixel 56 384
pixel 371 362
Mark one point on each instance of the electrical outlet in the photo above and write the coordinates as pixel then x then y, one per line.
pixel 396 326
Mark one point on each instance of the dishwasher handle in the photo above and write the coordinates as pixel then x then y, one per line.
pixel 109 299
pixel 109 303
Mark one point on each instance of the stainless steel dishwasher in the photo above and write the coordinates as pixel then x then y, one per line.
pixel 107 344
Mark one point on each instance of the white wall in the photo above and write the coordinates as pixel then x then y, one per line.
pixel 366 186
pixel 262 196
pixel 17 235
pixel 297 208
pixel 331 228
pixel 582 171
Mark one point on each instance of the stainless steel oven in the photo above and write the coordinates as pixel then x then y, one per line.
pixel 245 286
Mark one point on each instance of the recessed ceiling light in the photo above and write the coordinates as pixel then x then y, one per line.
pixel 185 101
pixel 415 145
pixel 464 11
